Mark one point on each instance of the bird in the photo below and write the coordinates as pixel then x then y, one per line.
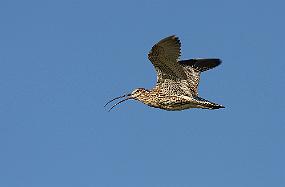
pixel 177 80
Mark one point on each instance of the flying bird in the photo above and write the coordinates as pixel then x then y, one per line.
pixel 177 81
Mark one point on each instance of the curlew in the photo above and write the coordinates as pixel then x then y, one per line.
pixel 177 81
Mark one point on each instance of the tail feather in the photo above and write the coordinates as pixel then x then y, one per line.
pixel 203 103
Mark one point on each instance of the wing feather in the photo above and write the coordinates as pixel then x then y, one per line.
pixel 193 69
pixel 164 56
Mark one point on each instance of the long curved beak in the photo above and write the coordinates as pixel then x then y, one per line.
pixel 126 95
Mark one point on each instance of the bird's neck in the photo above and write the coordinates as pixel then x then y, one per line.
pixel 144 96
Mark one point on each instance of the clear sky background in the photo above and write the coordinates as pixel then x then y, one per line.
pixel 61 61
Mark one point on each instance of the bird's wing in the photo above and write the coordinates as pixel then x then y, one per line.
pixel 193 69
pixel 202 64
pixel 164 56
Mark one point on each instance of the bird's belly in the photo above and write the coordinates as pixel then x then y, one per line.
pixel 180 106
pixel 174 106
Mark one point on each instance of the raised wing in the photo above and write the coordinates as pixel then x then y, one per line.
pixel 193 69
pixel 202 64
pixel 164 56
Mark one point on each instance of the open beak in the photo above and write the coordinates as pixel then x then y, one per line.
pixel 128 96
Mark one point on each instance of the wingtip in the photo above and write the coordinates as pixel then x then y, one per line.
pixel 218 107
pixel 173 37
pixel 219 61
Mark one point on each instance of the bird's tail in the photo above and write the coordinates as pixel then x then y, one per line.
pixel 203 103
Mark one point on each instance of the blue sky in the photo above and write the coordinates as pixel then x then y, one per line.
pixel 61 61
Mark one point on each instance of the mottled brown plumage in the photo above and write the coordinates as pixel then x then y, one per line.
pixel 177 81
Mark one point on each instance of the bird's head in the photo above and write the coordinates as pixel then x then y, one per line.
pixel 137 94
